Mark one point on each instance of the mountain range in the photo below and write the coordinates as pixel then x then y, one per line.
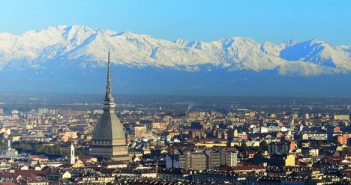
pixel 73 59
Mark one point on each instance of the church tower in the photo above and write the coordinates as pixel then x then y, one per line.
pixel 109 140
pixel 72 155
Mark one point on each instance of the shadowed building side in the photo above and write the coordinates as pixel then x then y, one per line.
pixel 109 140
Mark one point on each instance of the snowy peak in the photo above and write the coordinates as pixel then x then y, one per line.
pixel 317 52
pixel 303 50
pixel 87 46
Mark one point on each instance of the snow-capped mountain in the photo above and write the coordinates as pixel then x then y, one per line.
pixel 73 59
pixel 88 47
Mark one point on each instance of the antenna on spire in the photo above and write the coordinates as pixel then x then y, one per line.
pixel 108 72
pixel 108 96
pixel 108 56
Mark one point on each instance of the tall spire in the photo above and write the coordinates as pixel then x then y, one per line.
pixel 109 139
pixel 109 101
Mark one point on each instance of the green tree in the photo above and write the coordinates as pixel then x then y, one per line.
pixel 263 145
pixel 3 145
pixel 243 146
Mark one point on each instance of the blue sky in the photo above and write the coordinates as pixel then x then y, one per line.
pixel 206 20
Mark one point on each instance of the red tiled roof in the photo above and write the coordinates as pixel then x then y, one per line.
pixel 8 183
